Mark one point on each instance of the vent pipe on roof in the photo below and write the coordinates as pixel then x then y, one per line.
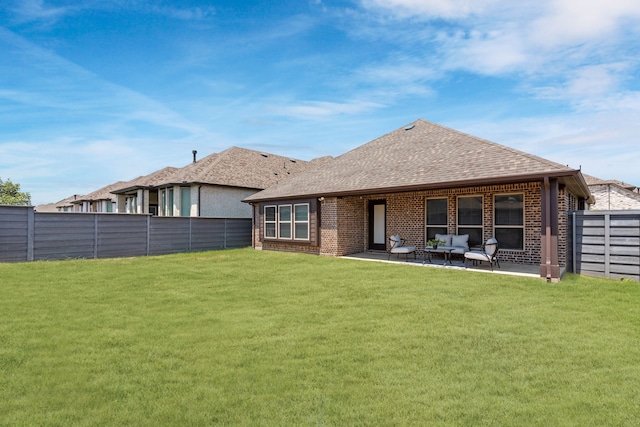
pixel 194 155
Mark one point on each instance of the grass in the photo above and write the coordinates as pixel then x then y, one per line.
pixel 251 338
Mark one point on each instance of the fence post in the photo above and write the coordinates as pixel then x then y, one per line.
pixel 95 236
pixel 607 246
pixel 31 221
pixel 574 263
pixel 148 234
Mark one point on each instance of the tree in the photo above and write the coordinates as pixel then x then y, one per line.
pixel 10 194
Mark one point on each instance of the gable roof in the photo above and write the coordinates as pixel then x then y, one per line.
pixel 53 207
pixel 421 155
pixel 146 181
pixel 239 167
pixel 103 193
pixel 594 181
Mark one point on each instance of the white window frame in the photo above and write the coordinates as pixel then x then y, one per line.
pixel 275 221
pixel 289 223
pixel 295 223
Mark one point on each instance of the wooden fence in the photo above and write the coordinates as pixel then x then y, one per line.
pixel 26 235
pixel 606 244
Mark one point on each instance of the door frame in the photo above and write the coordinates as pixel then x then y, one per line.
pixel 371 212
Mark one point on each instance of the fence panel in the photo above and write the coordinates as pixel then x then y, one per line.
pixel 14 228
pixel 606 244
pixel 63 235
pixel 169 235
pixel 238 233
pixel 121 235
pixel 26 235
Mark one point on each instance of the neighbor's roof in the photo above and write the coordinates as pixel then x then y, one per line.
pixel 419 156
pixel 53 207
pixel 146 181
pixel 592 180
pixel 240 167
pixel 103 193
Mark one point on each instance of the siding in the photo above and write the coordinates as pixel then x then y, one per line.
pixel 26 235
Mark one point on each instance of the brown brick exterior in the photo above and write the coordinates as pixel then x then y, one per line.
pixel 344 220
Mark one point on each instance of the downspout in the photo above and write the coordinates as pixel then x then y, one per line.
pixel 547 237
pixel 199 188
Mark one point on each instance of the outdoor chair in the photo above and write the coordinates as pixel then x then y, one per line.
pixel 397 246
pixel 489 254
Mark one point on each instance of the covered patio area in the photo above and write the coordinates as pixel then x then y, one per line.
pixel 456 264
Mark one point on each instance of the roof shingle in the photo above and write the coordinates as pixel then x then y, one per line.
pixel 422 154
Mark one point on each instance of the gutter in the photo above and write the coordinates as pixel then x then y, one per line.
pixel 421 187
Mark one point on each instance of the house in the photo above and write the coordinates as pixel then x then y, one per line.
pixel 98 201
pixel 419 180
pixel 215 186
pixel 613 194
pixel 140 195
pixel 64 205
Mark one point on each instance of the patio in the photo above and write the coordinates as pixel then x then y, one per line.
pixel 456 264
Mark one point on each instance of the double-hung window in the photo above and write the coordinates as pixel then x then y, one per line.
pixel 470 219
pixel 284 222
pixel 270 222
pixel 509 221
pixel 287 222
pixel 437 218
pixel 301 221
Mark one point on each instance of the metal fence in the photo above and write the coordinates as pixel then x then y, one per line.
pixel 606 244
pixel 26 235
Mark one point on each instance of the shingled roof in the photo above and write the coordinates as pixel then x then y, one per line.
pixel 240 167
pixel 421 155
pixel 103 193
pixel 146 181
pixel 592 180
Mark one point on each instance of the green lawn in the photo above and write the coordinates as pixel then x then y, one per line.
pixel 251 338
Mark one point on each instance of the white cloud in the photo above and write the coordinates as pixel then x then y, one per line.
pixel 566 22
pixel 448 9
pixel 312 110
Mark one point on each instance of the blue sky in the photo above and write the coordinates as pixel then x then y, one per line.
pixel 97 91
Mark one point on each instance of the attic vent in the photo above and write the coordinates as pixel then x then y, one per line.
pixel 292 160
pixel 264 154
pixel 409 127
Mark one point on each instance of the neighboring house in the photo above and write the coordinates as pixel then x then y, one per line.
pixel 99 201
pixel 140 195
pixel 612 194
pixel 420 180
pixel 215 186
pixel 64 205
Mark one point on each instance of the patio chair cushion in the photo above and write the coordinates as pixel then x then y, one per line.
pixel 446 238
pixel 460 243
pixel 477 256
pixel 403 249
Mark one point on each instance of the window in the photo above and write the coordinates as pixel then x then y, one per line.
pixel 185 201
pixel 284 221
pixel 437 218
pixel 287 222
pixel 470 219
pixel 270 223
pixel 301 221
pixel 170 202
pixel 509 221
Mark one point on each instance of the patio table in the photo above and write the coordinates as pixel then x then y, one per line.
pixel 446 250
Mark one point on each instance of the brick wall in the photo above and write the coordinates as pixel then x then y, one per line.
pixel 345 228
